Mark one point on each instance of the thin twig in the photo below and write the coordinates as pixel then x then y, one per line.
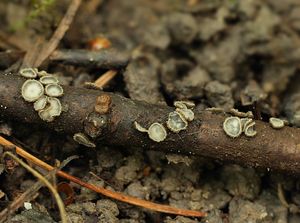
pixel 114 195
pixel 105 78
pixel 62 28
pixel 109 118
pixel 59 201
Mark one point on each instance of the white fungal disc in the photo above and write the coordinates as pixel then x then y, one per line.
pixel 245 122
pixel 40 103
pixel 250 130
pixel 176 122
pixel 184 104
pixel 45 115
pixel 232 126
pixel 188 114
pixel 83 140
pixel 48 79
pixel 139 127
pixel 54 90
pixel 180 104
pixel 157 132
pixel 28 73
pixel 276 123
pixel 52 110
pixel 32 90
pixel 55 107
pixel 42 73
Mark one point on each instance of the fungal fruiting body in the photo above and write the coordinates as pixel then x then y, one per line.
pixel 235 126
pixel 32 90
pixel 250 130
pixel 139 127
pixel 236 112
pixel 40 103
pixel 48 79
pixel 156 131
pixel 45 99
pixel 53 109
pixel 54 90
pixel 184 104
pixel 28 73
pixel 245 122
pixel 276 123
pixel 232 126
pixel 83 140
pixel 176 122
pixel 188 114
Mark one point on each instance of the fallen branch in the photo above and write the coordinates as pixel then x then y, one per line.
pixel 104 59
pixel 270 148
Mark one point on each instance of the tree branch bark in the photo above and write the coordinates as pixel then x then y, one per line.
pixel 270 148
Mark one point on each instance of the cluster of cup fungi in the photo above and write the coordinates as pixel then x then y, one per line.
pixel 42 89
pixel 234 126
pixel 177 121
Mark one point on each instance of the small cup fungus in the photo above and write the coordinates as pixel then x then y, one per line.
pixel 276 123
pixel 188 114
pixel 184 104
pixel 156 131
pixel 48 79
pixel 245 122
pixel 232 126
pixel 249 130
pixel 28 73
pixel 83 140
pixel 176 122
pixel 32 90
pixel 54 90
pixel 52 110
pixel 40 103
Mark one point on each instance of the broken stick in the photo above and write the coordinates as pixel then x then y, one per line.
pixel 270 148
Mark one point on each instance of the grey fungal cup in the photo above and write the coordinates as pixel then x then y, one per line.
pixel 42 73
pixel 54 90
pixel 245 122
pixel 232 126
pixel 176 122
pixel 40 103
pixel 53 109
pixel 276 123
pixel 188 114
pixel 139 127
pixel 32 90
pixel 28 73
pixel 48 79
pixel 250 130
pixel 83 140
pixel 157 132
pixel 184 104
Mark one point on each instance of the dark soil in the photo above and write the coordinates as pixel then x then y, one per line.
pixel 243 54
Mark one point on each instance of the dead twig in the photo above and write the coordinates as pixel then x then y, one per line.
pixel 105 78
pixel 275 149
pixel 49 47
pixel 114 195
